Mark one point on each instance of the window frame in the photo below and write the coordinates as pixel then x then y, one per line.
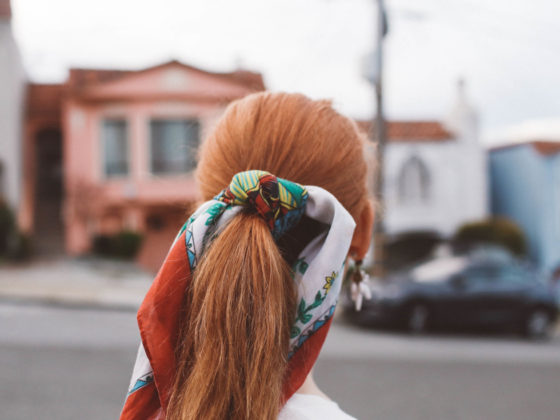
pixel 103 140
pixel 150 138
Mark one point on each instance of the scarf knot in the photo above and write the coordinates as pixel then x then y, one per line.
pixel 279 202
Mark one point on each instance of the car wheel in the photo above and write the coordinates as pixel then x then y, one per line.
pixel 417 318
pixel 538 324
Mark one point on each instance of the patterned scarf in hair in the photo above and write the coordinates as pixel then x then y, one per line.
pixel 317 275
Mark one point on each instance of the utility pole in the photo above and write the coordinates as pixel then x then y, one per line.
pixel 378 135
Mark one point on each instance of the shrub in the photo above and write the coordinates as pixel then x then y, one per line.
pixel 409 248
pixel 127 244
pixel 495 231
pixel 14 245
pixel 103 245
pixel 7 228
pixel 124 244
pixel 21 248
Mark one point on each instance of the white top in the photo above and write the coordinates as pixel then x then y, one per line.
pixel 311 407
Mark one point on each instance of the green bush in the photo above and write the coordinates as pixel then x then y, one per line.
pixel 14 245
pixel 495 231
pixel 7 228
pixel 127 244
pixel 21 248
pixel 409 248
pixel 124 245
pixel 103 245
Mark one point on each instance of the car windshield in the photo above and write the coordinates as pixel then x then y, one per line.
pixel 438 269
pixel 491 254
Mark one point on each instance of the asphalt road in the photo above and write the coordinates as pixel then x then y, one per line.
pixel 59 363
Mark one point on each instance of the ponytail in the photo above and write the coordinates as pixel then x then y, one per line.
pixel 240 303
pixel 240 306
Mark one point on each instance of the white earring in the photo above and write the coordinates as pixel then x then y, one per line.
pixel 360 287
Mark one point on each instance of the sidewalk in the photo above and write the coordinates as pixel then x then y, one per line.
pixel 76 282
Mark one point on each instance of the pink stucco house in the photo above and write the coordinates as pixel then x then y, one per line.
pixel 111 150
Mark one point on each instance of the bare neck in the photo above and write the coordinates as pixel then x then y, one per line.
pixel 310 387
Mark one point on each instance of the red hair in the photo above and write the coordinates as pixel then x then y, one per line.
pixel 233 345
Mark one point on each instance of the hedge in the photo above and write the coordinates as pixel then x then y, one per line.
pixel 496 231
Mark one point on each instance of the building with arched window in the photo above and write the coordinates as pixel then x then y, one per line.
pixel 435 174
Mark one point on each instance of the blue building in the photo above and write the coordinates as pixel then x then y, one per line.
pixel 525 187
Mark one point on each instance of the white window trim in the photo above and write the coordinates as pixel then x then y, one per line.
pixel 101 136
pixel 148 144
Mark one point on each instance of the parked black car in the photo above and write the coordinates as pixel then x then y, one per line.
pixel 459 292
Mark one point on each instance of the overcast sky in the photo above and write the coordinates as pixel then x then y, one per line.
pixel 506 50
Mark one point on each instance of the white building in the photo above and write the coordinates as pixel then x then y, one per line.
pixel 435 173
pixel 12 91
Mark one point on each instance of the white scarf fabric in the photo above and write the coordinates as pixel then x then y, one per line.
pixel 318 271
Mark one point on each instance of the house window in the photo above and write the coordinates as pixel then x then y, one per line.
pixel 414 182
pixel 173 146
pixel 115 146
